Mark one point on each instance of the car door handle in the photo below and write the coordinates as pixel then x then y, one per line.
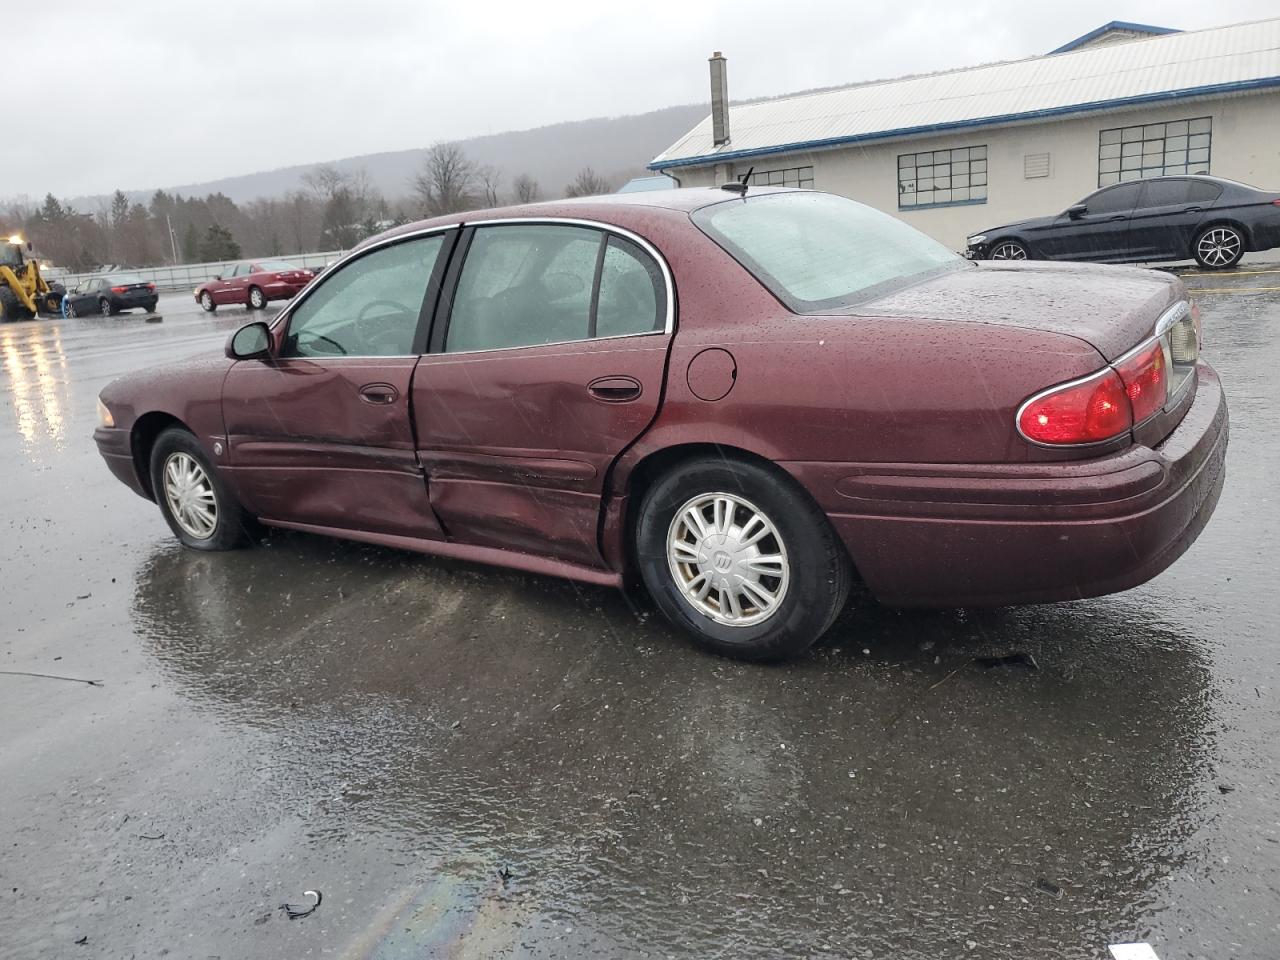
pixel 1193 210
pixel 614 389
pixel 379 394
pixel 1118 216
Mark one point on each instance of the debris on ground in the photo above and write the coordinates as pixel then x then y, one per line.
pixel 504 874
pixel 293 911
pixel 1009 660
pixel 1225 788
pixel 1048 888
pixel 50 676
pixel 83 940
pixel 147 836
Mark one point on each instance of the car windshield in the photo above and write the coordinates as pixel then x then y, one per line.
pixel 276 266
pixel 818 252
pixel 120 279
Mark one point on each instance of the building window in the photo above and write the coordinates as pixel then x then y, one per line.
pixel 939 178
pixel 786 177
pixel 1154 150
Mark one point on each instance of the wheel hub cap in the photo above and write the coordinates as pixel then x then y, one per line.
pixel 189 494
pixel 1218 247
pixel 727 559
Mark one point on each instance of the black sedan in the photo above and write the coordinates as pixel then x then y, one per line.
pixel 1212 220
pixel 109 295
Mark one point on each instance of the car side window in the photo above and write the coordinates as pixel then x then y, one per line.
pixel 1202 191
pixel 632 295
pixel 370 307
pixel 523 285
pixel 1163 193
pixel 1115 199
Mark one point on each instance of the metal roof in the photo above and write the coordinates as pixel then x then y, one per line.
pixel 1221 60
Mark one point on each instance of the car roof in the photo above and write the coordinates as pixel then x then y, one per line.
pixel 617 209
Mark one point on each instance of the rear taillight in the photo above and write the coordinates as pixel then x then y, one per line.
pixel 1087 411
pixel 1146 380
pixel 151 287
pixel 1135 388
pixel 119 289
pixel 1275 203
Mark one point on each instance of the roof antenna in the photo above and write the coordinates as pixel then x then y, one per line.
pixel 740 185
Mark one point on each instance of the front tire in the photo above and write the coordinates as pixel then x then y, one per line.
pixel 206 301
pixel 195 502
pixel 741 558
pixel 257 299
pixel 104 308
pixel 1219 247
pixel 1008 250
pixel 71 310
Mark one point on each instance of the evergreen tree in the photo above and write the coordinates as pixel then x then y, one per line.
pixel 218 244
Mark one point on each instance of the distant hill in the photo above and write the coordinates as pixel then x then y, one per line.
pixel 615 147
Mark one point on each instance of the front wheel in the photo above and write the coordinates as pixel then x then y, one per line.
pixel 257 299
pixel 71 309
pixel 104 308
pixel 1219 248
pixel 206 301
pixel 197 505
pixel 741 558
pixel 1008 250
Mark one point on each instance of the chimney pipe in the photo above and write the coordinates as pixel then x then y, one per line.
pixel 719 98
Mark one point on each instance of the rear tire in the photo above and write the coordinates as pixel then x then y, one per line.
pixel 71 309
pixel 1218 247
pixel 257 299
pixel 195 502
pixel 766 580
pixel 206 301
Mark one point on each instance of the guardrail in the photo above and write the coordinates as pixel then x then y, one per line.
pixel 187 276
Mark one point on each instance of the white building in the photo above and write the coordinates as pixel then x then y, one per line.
pixel 955 152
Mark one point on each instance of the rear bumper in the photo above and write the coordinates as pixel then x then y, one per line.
pixel 990 535
pixel 282 291
pixel 116 448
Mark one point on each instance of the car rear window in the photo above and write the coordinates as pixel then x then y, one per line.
pixel 276 266
pixel 817 252
pixel 121 279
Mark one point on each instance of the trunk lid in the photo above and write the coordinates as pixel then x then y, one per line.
pixel 1111 308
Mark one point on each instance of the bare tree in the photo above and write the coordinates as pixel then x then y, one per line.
pixel 526 189
pixel 446 182
pixel 490 180
pixel 588 183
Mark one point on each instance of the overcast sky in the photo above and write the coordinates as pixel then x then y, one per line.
pixel 138 94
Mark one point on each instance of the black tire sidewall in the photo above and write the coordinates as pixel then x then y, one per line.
pixel 1195 249
pixel 819 576
pixel 210 306
pixel 232 528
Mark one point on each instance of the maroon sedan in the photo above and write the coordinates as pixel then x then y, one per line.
pixel 742 403
pixel 253 285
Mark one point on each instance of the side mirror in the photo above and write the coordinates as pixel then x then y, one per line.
pixel 1076 211
pixel 250 342
pixel 217 276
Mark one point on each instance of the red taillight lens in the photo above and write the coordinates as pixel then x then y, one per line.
pixel 1146 380
pixel 1275 203
pixel 119 289
pixel 151 287
pixel 1087 412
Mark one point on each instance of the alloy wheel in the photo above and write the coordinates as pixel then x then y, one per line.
pixel 104 307
pixel 206 301
pixel 1219 247
pixel 256 299
pixel 71 309
pixel 1009 251
pixel 728 559
pixel 190 495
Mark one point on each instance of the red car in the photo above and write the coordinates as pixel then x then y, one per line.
pixel 253 285
pixel 742 403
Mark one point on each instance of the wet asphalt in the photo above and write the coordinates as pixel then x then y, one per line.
pixel 469 762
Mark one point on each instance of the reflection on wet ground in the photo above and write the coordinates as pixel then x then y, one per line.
pixel 477 763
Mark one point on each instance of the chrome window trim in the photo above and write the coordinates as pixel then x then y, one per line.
pixel 1165 322
pixel 667 280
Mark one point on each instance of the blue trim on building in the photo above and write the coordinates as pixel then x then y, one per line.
pixel 949 203
pixel 1237 86
pixel 1113 25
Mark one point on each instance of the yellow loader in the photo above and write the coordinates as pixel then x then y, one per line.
pixel 23 292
